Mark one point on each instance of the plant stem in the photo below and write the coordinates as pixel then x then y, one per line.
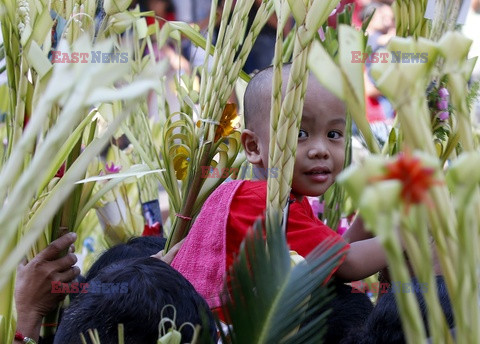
pixel 181 224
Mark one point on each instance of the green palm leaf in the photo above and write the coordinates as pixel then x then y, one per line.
pixel 269 299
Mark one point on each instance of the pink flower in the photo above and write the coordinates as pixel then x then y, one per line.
pixel 443 93
pixel 442 104
pixel 443 116
pixel 112 168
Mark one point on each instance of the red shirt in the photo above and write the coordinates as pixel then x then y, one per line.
pixel 304 230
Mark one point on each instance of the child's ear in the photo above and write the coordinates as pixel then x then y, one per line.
pixel 251 146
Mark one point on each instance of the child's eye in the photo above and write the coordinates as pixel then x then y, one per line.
pixel 302 134
pixel 334 134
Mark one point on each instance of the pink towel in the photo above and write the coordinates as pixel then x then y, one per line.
pixel 202 257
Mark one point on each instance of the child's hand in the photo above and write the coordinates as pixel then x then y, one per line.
pixel 168 258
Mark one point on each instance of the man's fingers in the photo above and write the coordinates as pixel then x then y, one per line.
pixel 22 264
pixel 68 275
pixel 65 262
pixel 52 251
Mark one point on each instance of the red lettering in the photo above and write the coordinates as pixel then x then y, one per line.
pixel 365 57
pixel 374 287
pixel 83 288
pixel 84 56
pixel 75 57
pixel 56 287
pixel 56 56
pixel 215 173
pixel 225 172
pixel 205 171
pixel 234 171
pixel 374 58
pixel 356 57
pixel 358 287
pixel 384 57
pixel 74 287
pixel 383 287
pixel 66 58
pixel 65 289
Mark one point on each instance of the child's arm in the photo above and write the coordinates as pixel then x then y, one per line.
pixel 357 231
pixel 364 258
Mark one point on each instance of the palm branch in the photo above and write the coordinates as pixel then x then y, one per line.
pixel 270 301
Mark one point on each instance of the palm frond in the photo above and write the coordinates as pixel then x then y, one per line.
pixel 270 300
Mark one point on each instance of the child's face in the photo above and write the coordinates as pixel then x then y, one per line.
pixel 321 142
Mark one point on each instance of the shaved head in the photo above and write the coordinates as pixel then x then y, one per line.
pixel 257 99
pixel 321 112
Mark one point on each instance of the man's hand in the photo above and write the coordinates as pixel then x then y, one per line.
pixel 33 287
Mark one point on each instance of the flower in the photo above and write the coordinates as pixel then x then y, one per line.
pixel 112 168
pixel 443 93
pixel 227 121
pixel 416 179
pixel 442 104
pixel 443 116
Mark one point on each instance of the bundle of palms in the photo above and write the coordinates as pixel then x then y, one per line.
pixel 425 197
pixel 201 136
pixel 51 132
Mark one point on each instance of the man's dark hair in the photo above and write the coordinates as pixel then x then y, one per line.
pixel 348 311
pixel 134 292
pixel 384 324
pixel 134 248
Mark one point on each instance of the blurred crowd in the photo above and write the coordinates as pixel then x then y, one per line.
pixel 197 12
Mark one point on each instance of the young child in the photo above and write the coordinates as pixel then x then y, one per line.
pixel 215 237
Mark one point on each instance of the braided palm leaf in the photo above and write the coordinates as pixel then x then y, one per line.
pixel 409 18
pixel 284 124
pixel 446 220
pixel 229 56
pixel 445 17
